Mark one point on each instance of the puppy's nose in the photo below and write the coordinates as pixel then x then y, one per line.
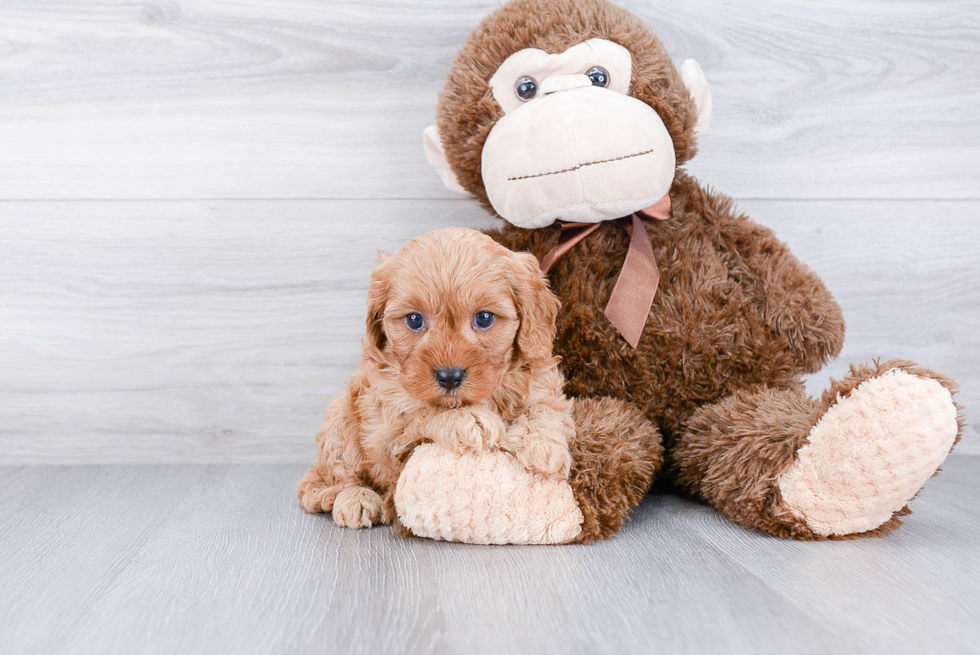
pixel 450 377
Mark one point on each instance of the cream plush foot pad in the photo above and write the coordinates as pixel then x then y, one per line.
pixel 486 498
pixel 870 453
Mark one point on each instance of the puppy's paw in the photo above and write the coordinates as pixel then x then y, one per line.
pixel 357 507
pixel 549 458
pixel 467 429
pixel 490 426
pixel 315 495
pixel 514 437
pixel 538 453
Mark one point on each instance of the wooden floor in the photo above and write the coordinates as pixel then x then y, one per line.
pixel 221 559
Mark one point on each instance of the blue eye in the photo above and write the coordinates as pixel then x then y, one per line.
pixel 526 88
pixel 484 319
pixel 599 76
pixel 415 322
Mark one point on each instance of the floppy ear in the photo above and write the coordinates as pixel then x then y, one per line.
pixel 537 308
pixel 436 155
pixel 697 85
pixel 377 300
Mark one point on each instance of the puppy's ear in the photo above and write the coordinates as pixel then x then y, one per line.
pixel 537 309
pixel 377 300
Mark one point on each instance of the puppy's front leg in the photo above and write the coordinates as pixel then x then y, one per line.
pixel 352 504
pixel 463 429
pixel 539 439
pixel 332 484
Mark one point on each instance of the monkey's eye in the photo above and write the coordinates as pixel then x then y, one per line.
pixel 415 322
pixel 599 76
pixel 526 88
pixel 484 319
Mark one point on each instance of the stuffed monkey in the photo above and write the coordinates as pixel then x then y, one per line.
pixel 568 119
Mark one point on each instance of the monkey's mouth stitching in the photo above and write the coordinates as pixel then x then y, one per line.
pixel 575 168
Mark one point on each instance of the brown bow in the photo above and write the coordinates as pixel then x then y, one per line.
pixel 631 298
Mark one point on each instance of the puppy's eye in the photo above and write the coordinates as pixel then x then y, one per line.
pixel 414 321
pixel 526 88
pixel 599 76
pixel 484 319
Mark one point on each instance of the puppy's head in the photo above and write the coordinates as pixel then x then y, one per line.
pixel 453 311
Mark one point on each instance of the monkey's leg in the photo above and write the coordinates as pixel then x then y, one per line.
pixel 616 453
pixel 842 466
pixel 492 498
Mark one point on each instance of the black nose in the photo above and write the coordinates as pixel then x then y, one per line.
pixel 450 378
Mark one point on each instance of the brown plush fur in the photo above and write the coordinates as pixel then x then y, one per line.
pixel 722 459
pixel 615 454
pixel 510 399
pixel 737 319
pixel 734 309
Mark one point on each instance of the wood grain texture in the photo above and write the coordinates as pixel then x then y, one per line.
pixel 221 559
pixel 301 99
pixel 187 331
pixel 193 331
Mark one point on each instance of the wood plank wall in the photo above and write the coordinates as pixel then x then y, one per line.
pixel 191 194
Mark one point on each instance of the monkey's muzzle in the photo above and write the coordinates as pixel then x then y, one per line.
pixel 584 155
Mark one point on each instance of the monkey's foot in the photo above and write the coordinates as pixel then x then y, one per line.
pixel 483 498
pixel 871 452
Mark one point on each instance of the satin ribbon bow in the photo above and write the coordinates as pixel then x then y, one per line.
pixel 632 297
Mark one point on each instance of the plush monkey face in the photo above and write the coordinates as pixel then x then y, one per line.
pixel 564 127
pixel 573 144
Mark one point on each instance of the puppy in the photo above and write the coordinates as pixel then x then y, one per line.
pixel 457 352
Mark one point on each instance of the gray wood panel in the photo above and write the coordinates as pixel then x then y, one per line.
pixel 253 99
pixel 194 331
pixel 221 559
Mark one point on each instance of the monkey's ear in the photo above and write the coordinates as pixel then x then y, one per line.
pixel 436 155
pixel 693 78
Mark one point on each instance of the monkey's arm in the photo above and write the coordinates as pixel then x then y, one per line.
pixel 792 299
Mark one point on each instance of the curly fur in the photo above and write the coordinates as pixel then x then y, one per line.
pixel 511 398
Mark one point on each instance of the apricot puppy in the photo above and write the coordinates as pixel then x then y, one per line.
pixel 457 352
